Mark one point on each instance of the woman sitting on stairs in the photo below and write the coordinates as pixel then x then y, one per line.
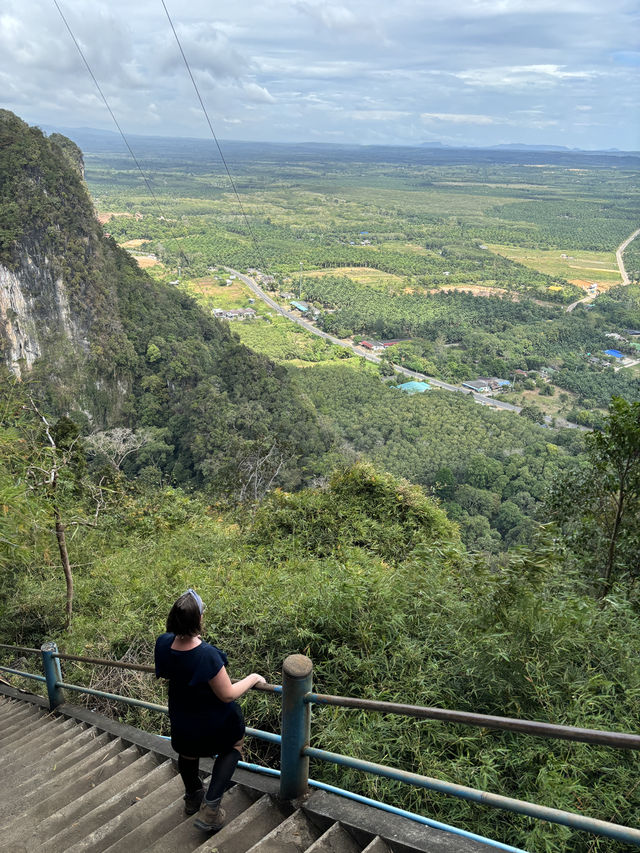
pixel 205 719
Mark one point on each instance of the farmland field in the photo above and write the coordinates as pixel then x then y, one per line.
pixel 584 266
pixel 473 257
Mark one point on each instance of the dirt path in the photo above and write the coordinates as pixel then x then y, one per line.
pixel 619 254
pixel 589 298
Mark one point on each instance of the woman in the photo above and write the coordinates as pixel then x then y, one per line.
pixel 205 719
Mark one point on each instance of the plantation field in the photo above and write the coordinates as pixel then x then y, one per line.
pixel 213 293
pixel 585 266
pixel 400 244
pixel 368 276
pixel 289 344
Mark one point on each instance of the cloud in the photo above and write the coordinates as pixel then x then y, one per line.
pixel 459 118
pixel 258 94
pixel 509 77
pixel 342 21
pixel 331 16
pixel 357 70
pixel 207 49
pixel 377 115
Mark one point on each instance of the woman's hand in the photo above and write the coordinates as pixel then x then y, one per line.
pixel 226 691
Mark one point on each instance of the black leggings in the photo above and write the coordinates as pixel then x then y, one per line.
pixel 223 769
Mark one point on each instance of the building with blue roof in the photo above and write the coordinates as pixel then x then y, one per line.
pixel 414 387
pixel 614 353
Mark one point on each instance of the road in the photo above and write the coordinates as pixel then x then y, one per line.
pixel 482 399
pixel 589 298
pixel 621 267
pixel 364 353
pixel 619 258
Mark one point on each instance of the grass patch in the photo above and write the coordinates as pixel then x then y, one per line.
pixel 600 267
pixel 363 275
pixel 288 343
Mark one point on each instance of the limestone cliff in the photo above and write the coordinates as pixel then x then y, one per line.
pixel 51 248
pixel 106 344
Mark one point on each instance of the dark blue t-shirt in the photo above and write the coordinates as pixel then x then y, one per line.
pixel 198 718
pixel 189 673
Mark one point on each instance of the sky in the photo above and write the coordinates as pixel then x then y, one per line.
pixel 402 72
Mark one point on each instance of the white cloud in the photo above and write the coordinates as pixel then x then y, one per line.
pixel 376 115
pixel 207 49
pixel 459 118
pixel 508 77
pixel 331 16
pixel 258 94
pixel 359 70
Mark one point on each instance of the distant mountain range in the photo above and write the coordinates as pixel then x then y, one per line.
pixel 524 146
pixel 94 140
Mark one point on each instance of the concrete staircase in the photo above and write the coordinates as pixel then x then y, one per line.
pixel 74 781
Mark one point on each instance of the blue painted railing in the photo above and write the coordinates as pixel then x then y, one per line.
pixel 295 749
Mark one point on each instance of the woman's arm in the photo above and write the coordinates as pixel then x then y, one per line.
pixel 226 691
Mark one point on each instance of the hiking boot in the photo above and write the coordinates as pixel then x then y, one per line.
pixel 193 801
pixel 210 817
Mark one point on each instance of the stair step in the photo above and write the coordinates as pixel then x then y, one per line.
pixel 17 729
pixel 14 706
pixel 244 831
pixel 30 783
pixel 186 837
pixel 18 710
pixel 33 739
pixel 377 845
pixel 64 794
pixel 335 840
pixel 54 762
pixel 74 828
pixel 30 748
pixel 293 835
pixel 33 777
pixel 158 824
pixel 128 823
pixel 127 768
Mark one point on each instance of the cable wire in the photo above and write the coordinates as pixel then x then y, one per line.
pixel 117 124
pixel 215 139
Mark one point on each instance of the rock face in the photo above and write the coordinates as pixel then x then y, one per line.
pixel 104 343
pixel 56 274
pixel 17 321
pixel 34 312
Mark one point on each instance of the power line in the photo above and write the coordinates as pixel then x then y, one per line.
pixel 215 139
pixel 117 124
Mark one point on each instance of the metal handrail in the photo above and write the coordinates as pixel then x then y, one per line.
pixel 577 821
pixel 140 667
pixel 20 649
pixel 23 674
pixel 118 664
pixel 620 740
pixel 294 741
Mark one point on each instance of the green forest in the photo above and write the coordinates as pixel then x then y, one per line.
pixel 421 549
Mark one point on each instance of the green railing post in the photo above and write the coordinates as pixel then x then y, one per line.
pixel 297 681
pixel 52 674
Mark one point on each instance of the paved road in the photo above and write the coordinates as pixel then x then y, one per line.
pixel 364 353
pixel 619 258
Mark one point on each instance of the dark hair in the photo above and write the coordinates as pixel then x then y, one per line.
pixel 184 617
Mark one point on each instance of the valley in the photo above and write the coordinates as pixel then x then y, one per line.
pixel 394 249
pixel 422 548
